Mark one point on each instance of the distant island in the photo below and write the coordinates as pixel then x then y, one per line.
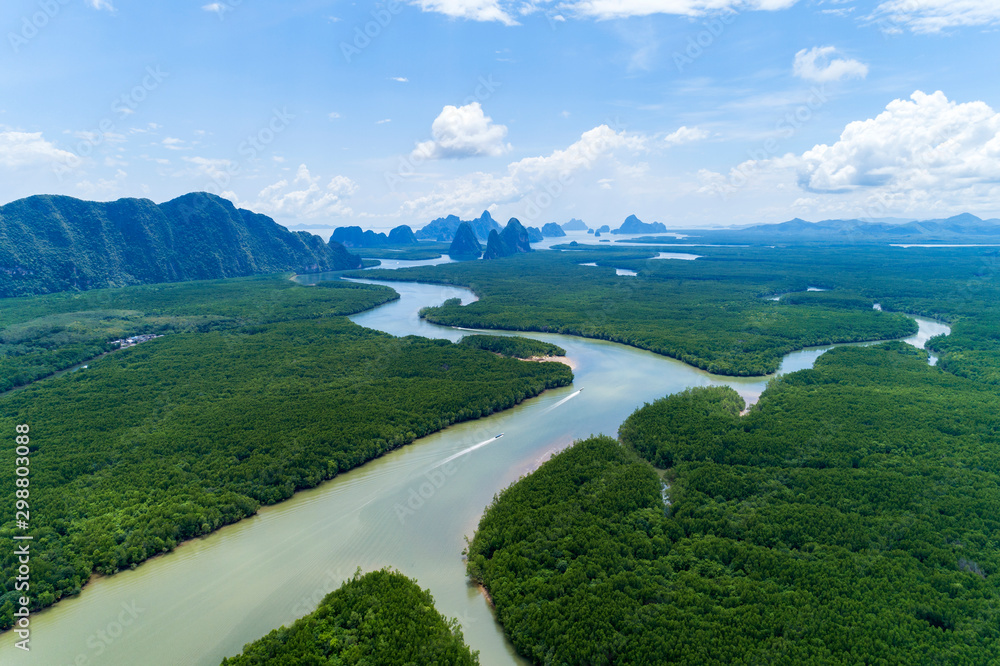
pixel 465 245
pixel 443 229
pixel 552 230
pixel 514 239
pixel 355 237
pixel 633 225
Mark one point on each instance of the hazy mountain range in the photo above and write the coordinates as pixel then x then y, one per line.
pixel 964 228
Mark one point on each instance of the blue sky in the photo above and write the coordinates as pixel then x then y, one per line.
pixel 690 112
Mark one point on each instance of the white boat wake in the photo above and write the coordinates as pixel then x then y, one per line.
pixel 468 450
pixel 563 401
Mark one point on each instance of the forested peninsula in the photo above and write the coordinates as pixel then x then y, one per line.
pixel 851 517
pixel 259 387
pixel 381 618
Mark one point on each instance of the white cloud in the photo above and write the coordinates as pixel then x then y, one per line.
pixel 383 121
pixel 685 134
pixel 101 4
pixel 304 197
pixel 473 191
pixel 217 170
pixel 930 16
pixel 400 79
pixel 104 187
pixel 474 10
pixel 216 7
pixel 20 149
pixel 925 153
pixel 504 11
pixel 609 9
pixel 333 115
pixel 819 64
pixel 173 143
pixel 583 154
pixel 96 138
pixel 463 131
pixel 926 142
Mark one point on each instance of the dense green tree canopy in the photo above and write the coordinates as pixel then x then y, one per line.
pixel 711 313
pixel 852 517
pixel 381 618
pixel 175 437
pixel 513 346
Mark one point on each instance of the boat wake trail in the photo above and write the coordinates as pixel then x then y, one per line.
pixel 468 450
pixel 563 401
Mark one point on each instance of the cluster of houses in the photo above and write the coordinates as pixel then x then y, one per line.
pixel 134 340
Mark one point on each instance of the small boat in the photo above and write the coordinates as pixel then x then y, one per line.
pixel 498 436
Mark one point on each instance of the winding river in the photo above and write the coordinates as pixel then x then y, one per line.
pixel 410 510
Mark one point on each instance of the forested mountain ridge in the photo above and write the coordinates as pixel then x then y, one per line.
pixel 52 243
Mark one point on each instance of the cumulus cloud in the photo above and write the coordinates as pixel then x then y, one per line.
pixel 583 154
pixel 926 142
pixel 475 190
pixel 463 131
pixel 173 143
pixel 215 169
pixel 685 134
pixel 931 16
pixel 925 153
pixel 304 197
pixel 21 149
pixel 475 10
pixel 819 64
pixel 103 187
pixel 504 11
pixel 608 9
